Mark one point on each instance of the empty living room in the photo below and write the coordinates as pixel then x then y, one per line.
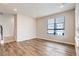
pixel 39 29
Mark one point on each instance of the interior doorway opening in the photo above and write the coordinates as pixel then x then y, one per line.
pixel 7 28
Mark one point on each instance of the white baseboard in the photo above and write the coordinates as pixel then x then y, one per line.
pixel 9 39
pixel 25 39
pixel 58 41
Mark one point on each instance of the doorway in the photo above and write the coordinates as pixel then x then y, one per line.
pixel 7 21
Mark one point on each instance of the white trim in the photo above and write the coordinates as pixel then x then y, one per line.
pixel 58 41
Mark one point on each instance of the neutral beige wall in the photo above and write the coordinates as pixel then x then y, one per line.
pixel 69 36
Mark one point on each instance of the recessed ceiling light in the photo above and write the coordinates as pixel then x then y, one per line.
pixel 15 9
pixel 62 6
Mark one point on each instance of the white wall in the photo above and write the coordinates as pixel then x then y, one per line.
pixel 77 29
pixel 26 27
pixel 21 27
pixel 77 25
pixel 7 21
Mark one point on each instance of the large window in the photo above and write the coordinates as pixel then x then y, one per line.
pixel 56 26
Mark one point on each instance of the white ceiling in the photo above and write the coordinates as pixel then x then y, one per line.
pixel 35 9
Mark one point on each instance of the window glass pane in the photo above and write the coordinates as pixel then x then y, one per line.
pixel 59 32
pixel 56 26
pixel 60 19
pixel 51 31
pixel 50 21
pixel 59 25
pixel 51 26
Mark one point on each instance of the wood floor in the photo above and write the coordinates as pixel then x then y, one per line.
pixel 36 47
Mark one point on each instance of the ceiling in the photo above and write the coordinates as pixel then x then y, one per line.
pixel 35 9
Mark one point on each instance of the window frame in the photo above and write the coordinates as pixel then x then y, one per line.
pixel 55 29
